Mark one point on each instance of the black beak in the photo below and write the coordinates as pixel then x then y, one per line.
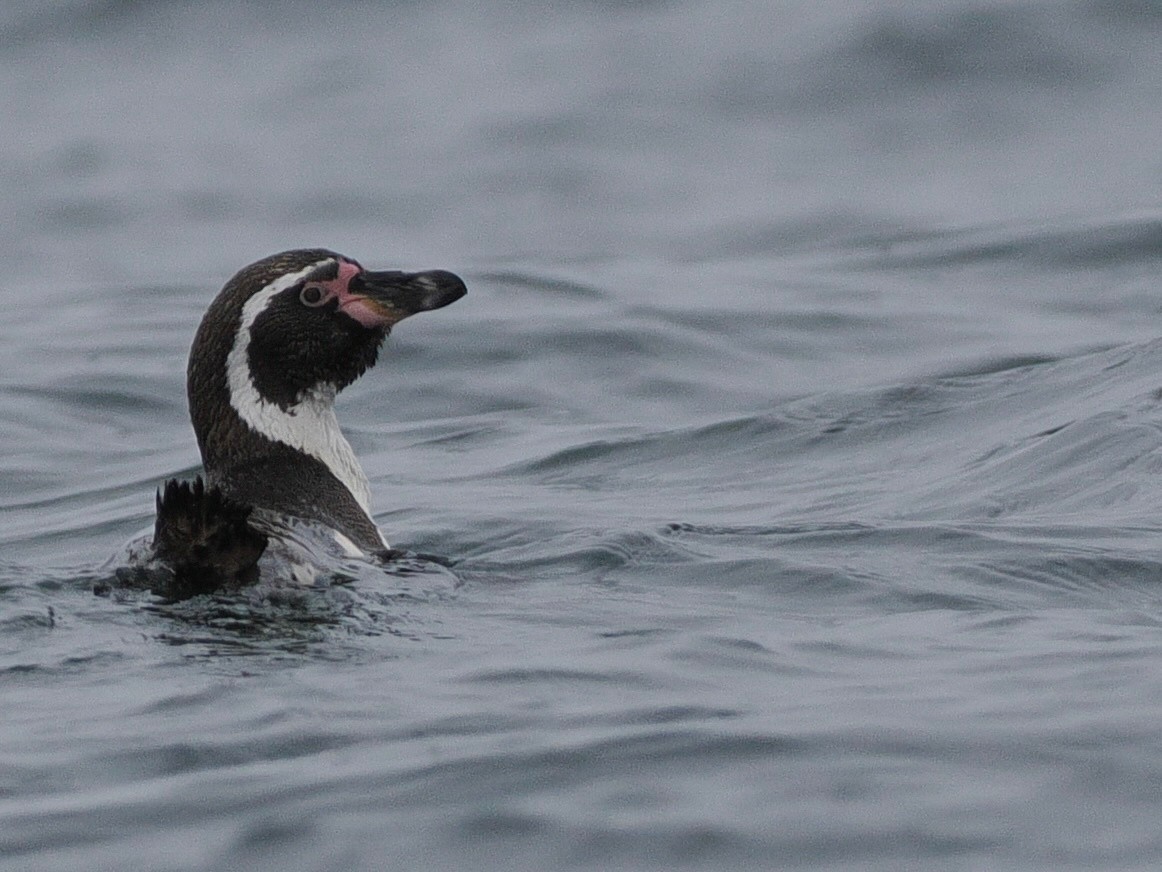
pixel 395 295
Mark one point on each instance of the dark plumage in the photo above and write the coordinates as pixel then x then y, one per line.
pixel 205 538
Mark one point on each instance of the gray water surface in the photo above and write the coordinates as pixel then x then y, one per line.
pixel 798 446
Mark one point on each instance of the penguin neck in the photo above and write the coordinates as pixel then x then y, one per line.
pixel 309 427
pixel 251 430
pixel 236 425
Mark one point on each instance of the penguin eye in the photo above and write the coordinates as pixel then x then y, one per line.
pixel 312 295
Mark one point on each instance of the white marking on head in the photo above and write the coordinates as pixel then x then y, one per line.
pixel 311 425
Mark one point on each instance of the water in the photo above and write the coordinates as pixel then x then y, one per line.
pixel 799 442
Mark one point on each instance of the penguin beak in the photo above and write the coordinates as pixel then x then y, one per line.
pixel 392 295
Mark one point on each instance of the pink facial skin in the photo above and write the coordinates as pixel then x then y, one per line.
pixel 360 308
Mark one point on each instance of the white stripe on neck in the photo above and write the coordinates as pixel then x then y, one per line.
pixel 309 426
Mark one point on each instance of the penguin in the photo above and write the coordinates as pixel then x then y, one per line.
pixel 283 337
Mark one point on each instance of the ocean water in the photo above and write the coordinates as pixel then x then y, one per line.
pixel 797 448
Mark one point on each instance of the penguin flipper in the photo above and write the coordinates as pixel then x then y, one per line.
pixel 205 538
